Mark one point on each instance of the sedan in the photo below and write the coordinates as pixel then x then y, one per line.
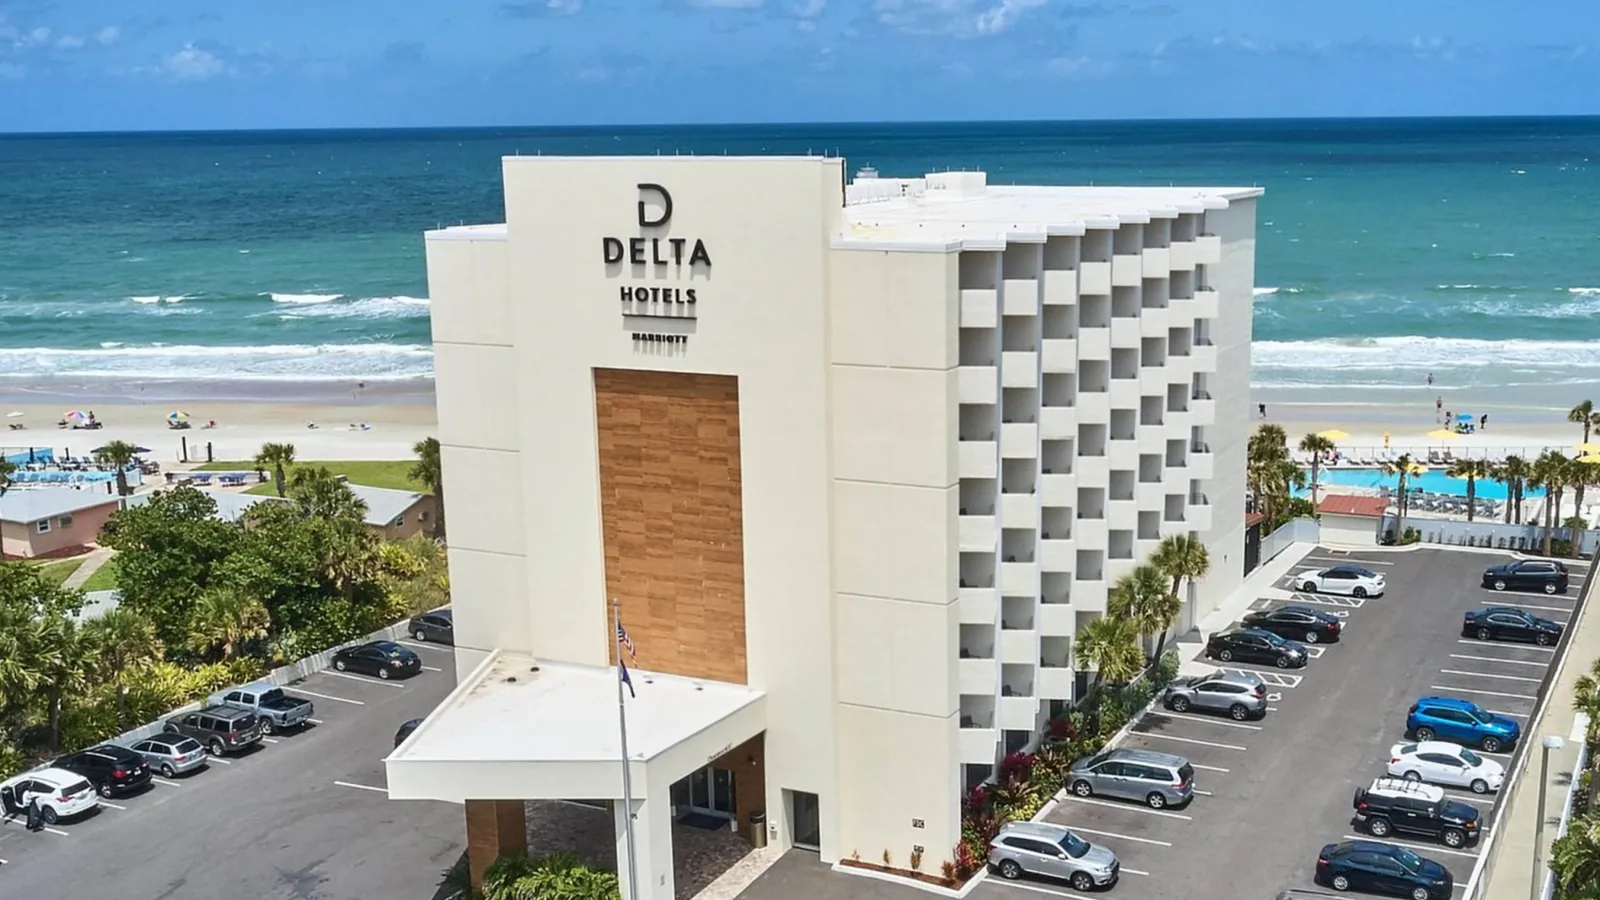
pixel 1299 623
pixel 1251 645
pixel 172 755
pixel 1508 623
pixel 1441 762
pixel 1544 575
pixel 1381 868
pixel 1352 580
pixel 438 626
pixel 384 659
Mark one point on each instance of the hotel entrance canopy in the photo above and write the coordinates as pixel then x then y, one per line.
pixel 527 729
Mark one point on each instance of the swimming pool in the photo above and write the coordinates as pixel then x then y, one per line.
pixel 1434 481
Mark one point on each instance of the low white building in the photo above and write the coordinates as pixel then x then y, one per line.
pixel 855 460
pixel 1351 519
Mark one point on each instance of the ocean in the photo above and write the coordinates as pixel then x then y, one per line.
pixel 1388 249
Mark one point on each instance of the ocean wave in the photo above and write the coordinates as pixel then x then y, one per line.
pixel 368 308
pixel 157 298
pixel 1494 256
pixel 302 298
pixel 1424 353
pixel 1270 291
pixel 280 361
pixel 1585 291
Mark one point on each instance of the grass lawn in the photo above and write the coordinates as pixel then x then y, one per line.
pixel 58 572
pixel 372 473
pixel 104 578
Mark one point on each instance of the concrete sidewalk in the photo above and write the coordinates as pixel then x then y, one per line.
pixel 91 565
pixel 1508 870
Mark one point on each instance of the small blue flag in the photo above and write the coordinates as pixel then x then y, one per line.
pixel 622 668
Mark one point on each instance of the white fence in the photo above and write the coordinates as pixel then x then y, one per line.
pixel 1496 535
pixel 1291 532
pixel 1575 785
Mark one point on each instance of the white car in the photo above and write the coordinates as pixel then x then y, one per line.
pixel 1441 762
pixel 1352 580
pixel 61 794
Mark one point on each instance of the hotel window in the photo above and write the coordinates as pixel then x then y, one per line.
pixel 42 526
pixel 64 522
pixel 399 520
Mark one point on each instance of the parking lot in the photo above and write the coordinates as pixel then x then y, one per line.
pixel 303 815
pixel 1271 793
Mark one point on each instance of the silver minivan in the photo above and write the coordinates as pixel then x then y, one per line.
pixel 1156 779
pixel 1039 848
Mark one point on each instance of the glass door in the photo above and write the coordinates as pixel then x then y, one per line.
pixel 711 792
pixel 807 824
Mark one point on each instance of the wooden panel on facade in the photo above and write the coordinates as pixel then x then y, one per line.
pixel 672 517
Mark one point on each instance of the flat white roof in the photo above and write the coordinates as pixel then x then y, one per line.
pixel 518 709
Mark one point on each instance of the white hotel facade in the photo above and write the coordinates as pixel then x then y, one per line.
pixel 856 461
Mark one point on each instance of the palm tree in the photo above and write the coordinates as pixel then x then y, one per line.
pixel 1471 470
pixel 62 668
pixel 276 457
pixel 1179 557
pixel 1141 596
pixel 224 618
pixel 123 640
pixel 1513 472
pixel 1269 470
pixel 1403 466
pixel 322 494
pixel 1110 646
pixel 1580 475
pixel 1547 472
pixel 120 454
pixel 1583 414
pixel 430 471
pixel 1316 445
pixel 1586 699
pixel 1575 860
pixel 7 469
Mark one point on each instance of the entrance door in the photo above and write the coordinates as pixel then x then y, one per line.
pixel 711 792
pixel 807 824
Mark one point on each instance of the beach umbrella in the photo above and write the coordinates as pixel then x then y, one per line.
pixel 1464 417
pixel 177 415
pixel 74 414
pixel 1443 434
pixel 1589 458
pixel 1334 434
pixel 18 414
pixel 1587 448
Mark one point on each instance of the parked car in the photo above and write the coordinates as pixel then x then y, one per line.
pixel 384 659
pixel 404 731
pixel 1461 721
pixel 1543 575
pixel 1040 848
pixel 276 710
pixel 1441 762
pixel 438 626
pixel 1297 623
pixel 172 755
pixel 220 729
pixel 1252 645
pixel 1352 580
pixel 61 794
pixel 1381 868
pixel 1508 623
pixel 1241 695
pixel 1157 779
pixel 110 768
pixel 1391 805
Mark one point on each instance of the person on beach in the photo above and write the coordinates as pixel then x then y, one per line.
pixel 1438 408
pixel 1386 440
pixel 1483 422
pixel 1262 408
pixel 1430 379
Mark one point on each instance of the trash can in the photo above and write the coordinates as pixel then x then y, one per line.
pixel 758 829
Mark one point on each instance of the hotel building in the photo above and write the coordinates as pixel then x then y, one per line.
pixel 856 461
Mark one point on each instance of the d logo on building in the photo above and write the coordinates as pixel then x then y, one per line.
pixel 655 211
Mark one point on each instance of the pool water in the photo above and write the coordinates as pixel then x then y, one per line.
pixel 1434 481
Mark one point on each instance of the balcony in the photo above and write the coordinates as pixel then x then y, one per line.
pixel 1088 534
pixel 1179 424
pixel 977 385
pixel 1179 474
pixel 1094 278
pixel 1056 556
pixel 1019 646
pixel 1153 322
pixel 976 534
pixel 1019 579
pixel 1205 358
pixel 1060 355
pixel 1093 472
pixel 1199 512
pixel 1020 713
pixel 1057 620
pixel 1018 511
pixel 1058 490
pixel 1181 256
pixel 1206 304
pixel 1122 515
pixel 1089 596
pixel 1122 453
pixel 979 606
pixel 1058 423
pixel 1019 440
pixel 1127 270
pixel 1153 380
pixel 1056 683
pixel 1202 463
pixel 980 308
pixel 1152 438
pixel 1208 250
pixel 1094 407
pixel 1124 394
pixel 977 459
pixel 1125 333
pixel 1180 369
pixel 1020 297
pixel 1171 528
pixel 978 746
pixel 1157 262
pixel 1151 496
pixel 1203 411
pixel 1019 369
pixel 1094 343
pixel 1180 312
pixel 978 676
pixel 1060 287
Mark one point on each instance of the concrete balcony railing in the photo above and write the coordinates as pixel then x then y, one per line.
pixel 1056 683
pixel 1123 453
pixel 1199 513
pixel 1019 511
pixel 1019 369
pixel 1208 250
pixel 976 534
pixel 1060 355
pixel 1124 393
pixel 1207 304
pixel 1056 555
pixel 1059 491
pixel 1057 620
pixel 1116 567
pixel 1020 297
pixel 1122 515
pixel 1205 358
pixel 1018 579
pixel 1202 464
pixel 1157 262
pixel 1058 423
pixel 1089 534
pixel 978 676
pixel 1019 647
pixel 1094 343
pixel 1180 369
pixel 1094 407
pixel 1179 474
pixel 1172 527
pixel 1094 278
pixel 1179 424
pixel 1180 311
pixel 1181 256
pixel 977 459
pixel 1152 495
pixel 1127 270
pixel 1093 471
pixel 978 385
pixel 1019 440
pixel 1153 380
pixel 978 746
pixel 1154 322
pixel 980 308
pixel 1125 333
pixel 1203 411
pixel 1059 287
pixel 979 606
pixel 1090 595
pixel 1019 713
pixel 1152 438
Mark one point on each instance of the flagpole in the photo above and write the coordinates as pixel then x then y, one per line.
pixel 627 773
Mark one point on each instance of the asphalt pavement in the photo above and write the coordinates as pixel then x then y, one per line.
pixel 304 817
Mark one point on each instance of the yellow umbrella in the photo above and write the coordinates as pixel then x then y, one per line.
pixel 1587 448
pixel 1334 434
pixel 1589 458
pixel 1443 434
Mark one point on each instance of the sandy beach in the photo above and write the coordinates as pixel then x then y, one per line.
pixel 241 430
pixel 1511 429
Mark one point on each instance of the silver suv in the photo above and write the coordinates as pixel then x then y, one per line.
pixel 1155 779
pixel 1039 848
pixel 1242 695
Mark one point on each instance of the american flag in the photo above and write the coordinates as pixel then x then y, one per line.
pixel 622 672
pixel 625 642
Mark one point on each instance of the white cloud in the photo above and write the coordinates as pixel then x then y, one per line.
pixel 69 42
pixel 565 7
pixel 38 36
pixel 726 4
pixel 1079 67
pixel 810 9
pixel 108 35
pixel 964 18
pixel 1000 16
pixel 193 64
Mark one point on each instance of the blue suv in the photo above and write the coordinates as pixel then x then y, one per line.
pixel 1461 721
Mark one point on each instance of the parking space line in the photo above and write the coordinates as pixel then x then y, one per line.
pixel 426 646
pixel 1517 593
pixel 1501 712
pixel 431 669
pixel 326 697
pixel 1127 871
pixel 1196 765
pixel 1460 690
pixel 1559 609
pixel 1495 659
pixel 1120 837
pixel 379 681
pixel 1479 799
pixel 270 740
pixel 218 759
pixel 113 806
pixel 1207 719
pixel 1143 809
pixel 1346 560
pixel 315 721
pixel 1272 677
pixel 1426 848
pixel 1204 793
pixel 1489 675
pixel 166 782
pixel 363 787
pixel 47 828
pixel 1482 645
pixel 1184 740
pixel 1316 652
pixel 1044 890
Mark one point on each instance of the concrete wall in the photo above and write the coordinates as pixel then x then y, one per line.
pixel 1360 531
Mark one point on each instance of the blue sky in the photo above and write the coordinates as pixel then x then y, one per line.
pixel 160 64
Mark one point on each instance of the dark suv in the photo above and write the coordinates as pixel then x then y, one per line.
pixel 1411 807
pixel 220 729
pixel 1543 575
pixel 111 769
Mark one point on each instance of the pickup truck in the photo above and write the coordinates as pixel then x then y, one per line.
pixel 276 710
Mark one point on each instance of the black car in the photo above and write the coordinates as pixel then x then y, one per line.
pixel 1543 575
pixel 1254 645
pixel 438 626
pixel 111 769
pixel 385 659
pixel 1508 623
pixel 405 730
pixel 1299 623
pixel 1410 807
pixel 1379 868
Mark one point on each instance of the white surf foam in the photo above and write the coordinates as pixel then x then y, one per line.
pixel 283 361
pixel 303 298
pixel 1424 353
pixel 368 308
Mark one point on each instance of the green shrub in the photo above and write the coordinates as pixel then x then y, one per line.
pixel 12 760
pixel 559 876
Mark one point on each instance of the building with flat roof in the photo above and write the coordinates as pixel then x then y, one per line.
pixel 53 521
pixel 855 461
